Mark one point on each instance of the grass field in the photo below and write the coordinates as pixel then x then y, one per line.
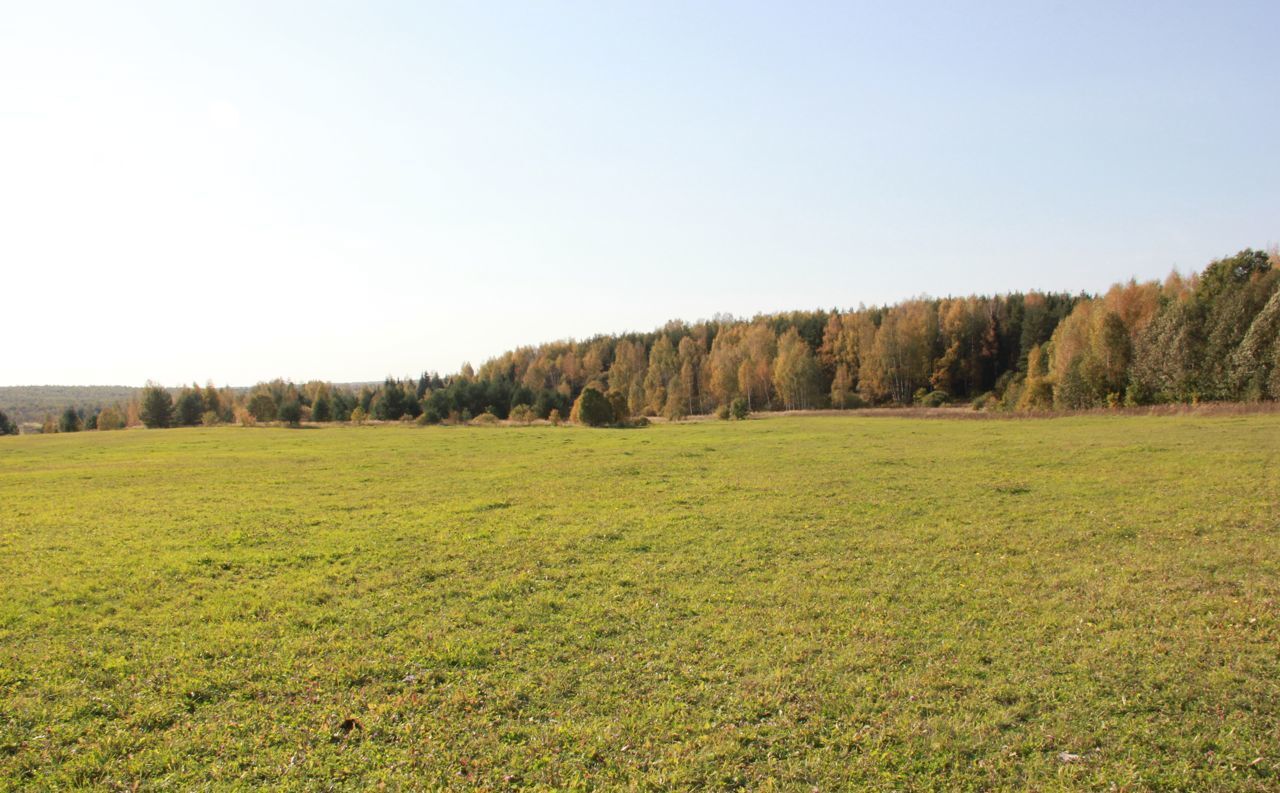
pixel 789 603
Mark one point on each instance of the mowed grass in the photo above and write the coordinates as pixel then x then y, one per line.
pixel 788 603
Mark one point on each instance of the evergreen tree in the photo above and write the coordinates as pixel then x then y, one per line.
pixel 157 406
pixel 392 403
pixel 290 413
pixel 189 407
pixel 320 410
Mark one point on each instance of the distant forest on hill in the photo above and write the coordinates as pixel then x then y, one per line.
pixel 1205 337
pixel 29 403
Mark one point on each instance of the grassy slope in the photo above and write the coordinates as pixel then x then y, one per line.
pixel 818 601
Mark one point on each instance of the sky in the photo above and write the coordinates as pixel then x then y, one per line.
pixel 237 191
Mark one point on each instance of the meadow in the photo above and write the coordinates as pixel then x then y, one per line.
pixel 814 603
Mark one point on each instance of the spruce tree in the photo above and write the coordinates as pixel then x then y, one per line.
pixel 157 407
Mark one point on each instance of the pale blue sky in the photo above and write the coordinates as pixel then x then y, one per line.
pixel 239 191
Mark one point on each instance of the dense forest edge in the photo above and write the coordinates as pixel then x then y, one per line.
pixel 1207 337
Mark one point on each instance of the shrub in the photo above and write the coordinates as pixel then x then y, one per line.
pixel 358 415
pixel 429 416
pixel 485 420
pixel 208 418
pixel 108 419
pixel 722 412
pixel 1011 397
pixel 738 409
pixel 521 414
pixel 262 406
pixel 592 409
pixel 855 402
pixel 554 417
pixel 1135 394
pixel 932 399
pixel 290 413
pixel 243 417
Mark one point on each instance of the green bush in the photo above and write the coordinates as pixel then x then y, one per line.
pixel 262 406
pixel 592 409
pixel 932 399
pixel 290 413
pixel 1135 395
pixel 738 409
pixel 108 419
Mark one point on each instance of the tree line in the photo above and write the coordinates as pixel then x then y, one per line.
pixel 1207 336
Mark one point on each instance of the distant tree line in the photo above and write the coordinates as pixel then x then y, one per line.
pixel 1211 336
pixel 34 404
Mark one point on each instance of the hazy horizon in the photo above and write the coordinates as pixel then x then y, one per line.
pixel 237 192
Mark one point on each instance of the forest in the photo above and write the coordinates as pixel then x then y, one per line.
pixel 1210 336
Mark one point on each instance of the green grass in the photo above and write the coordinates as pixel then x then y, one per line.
pixel 790 603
